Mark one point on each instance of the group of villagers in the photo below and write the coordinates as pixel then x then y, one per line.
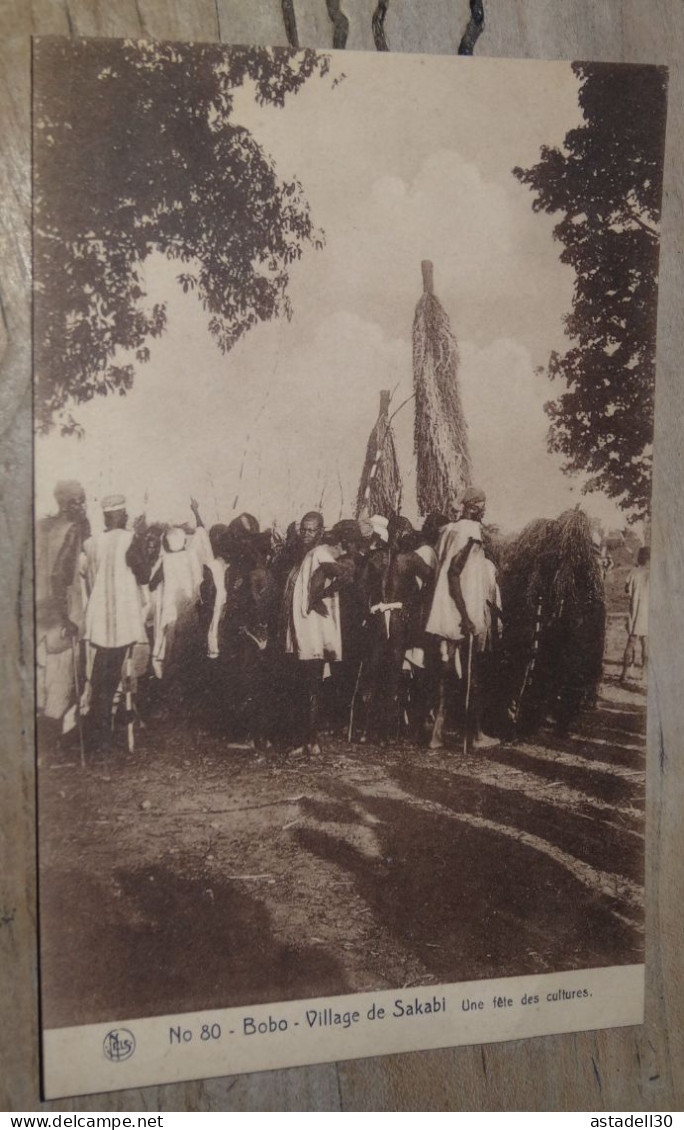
pixel 369 631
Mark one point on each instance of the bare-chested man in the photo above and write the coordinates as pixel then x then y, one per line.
pixel 393 581
pixel 313 630
pixel 59 607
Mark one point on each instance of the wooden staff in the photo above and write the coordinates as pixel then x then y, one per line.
pixel 350 729
pixel 531 664
pixel 128 678
pixel 469 680
pixel 436 741
pixel 79 719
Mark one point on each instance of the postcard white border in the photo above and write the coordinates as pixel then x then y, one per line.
pixel 193 1045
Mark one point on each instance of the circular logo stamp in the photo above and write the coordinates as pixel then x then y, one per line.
pixel 119 1044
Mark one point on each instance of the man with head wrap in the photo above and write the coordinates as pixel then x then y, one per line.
pixel 460 614
pixel 175 584
pixel 59 606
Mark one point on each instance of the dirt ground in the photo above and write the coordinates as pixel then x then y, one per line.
pixel 193 874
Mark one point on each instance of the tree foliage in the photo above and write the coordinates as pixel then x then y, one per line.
pixel 606 182
pixel 136 150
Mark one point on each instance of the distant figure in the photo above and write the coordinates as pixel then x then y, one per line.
pixel 607 562
pixel 59 608
pixel 637 620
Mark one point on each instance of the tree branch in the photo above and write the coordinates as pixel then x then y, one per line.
pixel 646 227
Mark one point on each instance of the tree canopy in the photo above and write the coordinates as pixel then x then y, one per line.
pixel 606 182
pixel 136 150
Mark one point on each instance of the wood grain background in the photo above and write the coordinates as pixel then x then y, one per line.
pixel 639 1069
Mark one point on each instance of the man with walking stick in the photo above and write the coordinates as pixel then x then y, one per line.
pixel 461 616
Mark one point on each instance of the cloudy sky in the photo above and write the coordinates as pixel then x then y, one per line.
pixel 407 158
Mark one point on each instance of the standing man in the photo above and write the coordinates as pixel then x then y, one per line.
pixel 59 607
pixel 393 581
pixel 637 621
pixel 116 566
pixel 175 580
pixel 460 614
pixel 313 631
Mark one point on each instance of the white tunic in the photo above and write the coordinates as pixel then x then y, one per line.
pixel 310 635
pixel 200 547
pixel 177 593
pixel 445 619
pixel 218 569
pixel 114 616
pixel 637 588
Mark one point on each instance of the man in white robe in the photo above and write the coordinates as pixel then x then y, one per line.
pixel 314 630
pixel 461 615
pixel 175 582
pixel 115 569
pixel 213 589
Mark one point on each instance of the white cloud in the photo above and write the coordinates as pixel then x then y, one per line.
pixel 290 408
pixel 503 400
pixel 280 422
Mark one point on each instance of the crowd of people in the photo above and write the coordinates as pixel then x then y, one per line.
pixel 371 630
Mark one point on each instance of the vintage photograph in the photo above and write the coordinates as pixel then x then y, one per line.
pixel 344 381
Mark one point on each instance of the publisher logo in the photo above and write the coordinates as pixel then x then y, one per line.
pixel 119 1044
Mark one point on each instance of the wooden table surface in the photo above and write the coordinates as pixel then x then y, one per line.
pixel 638 1069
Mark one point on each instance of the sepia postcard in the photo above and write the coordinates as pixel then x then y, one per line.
pixel 344 377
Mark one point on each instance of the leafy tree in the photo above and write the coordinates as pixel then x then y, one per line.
pixel 136 151
pixel 606 182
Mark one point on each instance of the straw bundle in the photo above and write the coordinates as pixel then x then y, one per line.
pixel 554 621
pixel 578 578
pixel 444 467
pixel 380 484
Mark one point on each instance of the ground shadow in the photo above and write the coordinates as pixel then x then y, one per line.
pixel 606 787
pixel 602 747
pixel 329 811
pixel 165 944
pixel 618 718
pixel 587 837
pixel 470 903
